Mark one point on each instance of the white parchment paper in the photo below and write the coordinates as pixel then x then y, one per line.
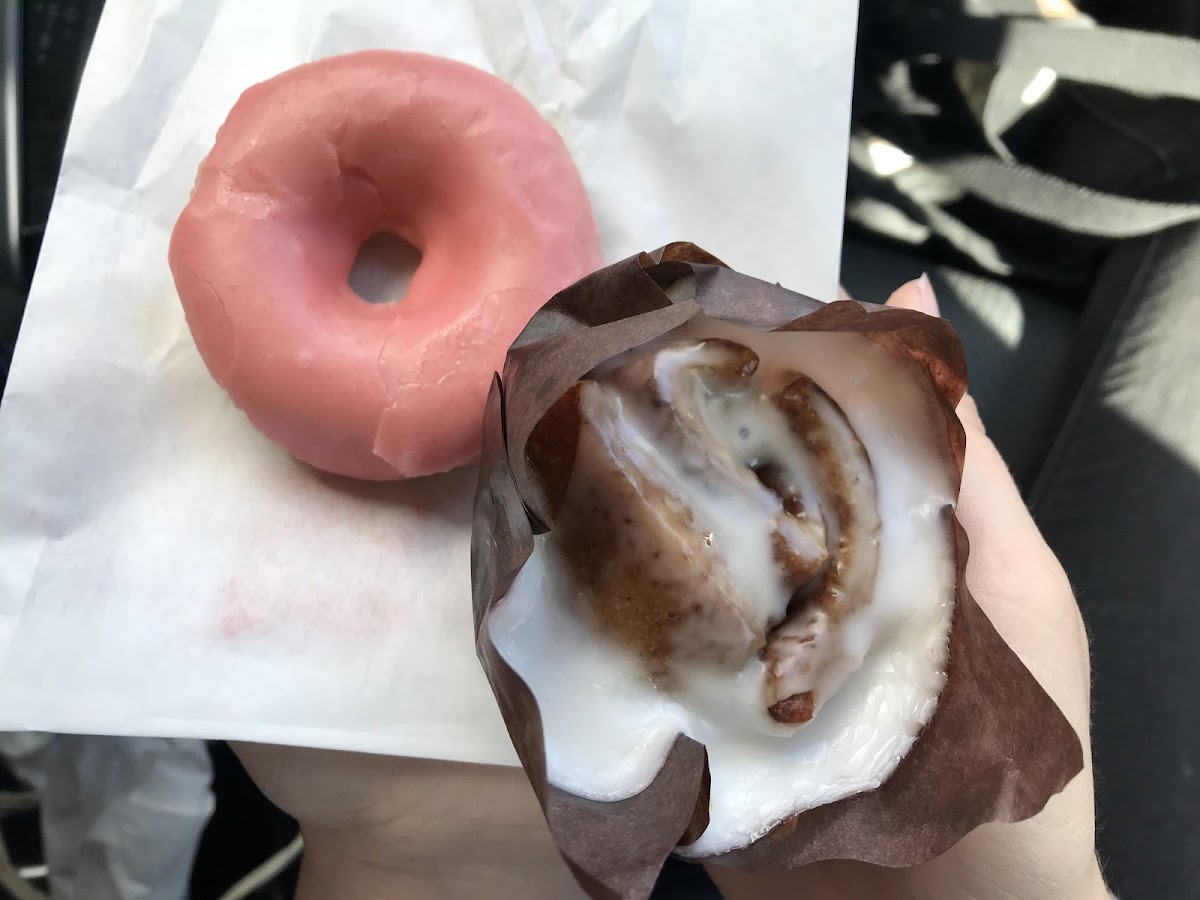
pixel 164 570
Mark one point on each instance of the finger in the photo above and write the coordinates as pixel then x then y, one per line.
pixel 1011 571
pixel 990 507
pixel 968 414
pixel 990 502
pixel 917 294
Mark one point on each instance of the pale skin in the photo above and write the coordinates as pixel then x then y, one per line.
pixel 379 828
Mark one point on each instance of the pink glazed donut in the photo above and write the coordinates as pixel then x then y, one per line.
pixel 307 167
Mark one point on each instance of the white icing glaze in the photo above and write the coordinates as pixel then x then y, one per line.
pixel 608 729
pixel 735 519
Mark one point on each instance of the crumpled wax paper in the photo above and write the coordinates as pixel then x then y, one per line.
pixel 121 818
pixel 166 571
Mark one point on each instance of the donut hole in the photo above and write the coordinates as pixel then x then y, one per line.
pixel 384 268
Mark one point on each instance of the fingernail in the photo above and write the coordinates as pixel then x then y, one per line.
pixel 928 297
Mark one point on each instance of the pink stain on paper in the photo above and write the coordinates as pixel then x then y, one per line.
pixel 248 608
pixel 326 577
pixel 234 616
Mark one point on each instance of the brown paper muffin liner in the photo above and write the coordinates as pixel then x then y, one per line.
pixel 997 747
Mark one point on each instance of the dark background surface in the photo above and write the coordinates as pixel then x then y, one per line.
pixel 1067 400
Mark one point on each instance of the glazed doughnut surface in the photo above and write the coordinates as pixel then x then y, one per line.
pixel 309 165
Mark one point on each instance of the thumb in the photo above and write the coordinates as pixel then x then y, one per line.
pixel 993 480
pixel 990 505
pixel 918 295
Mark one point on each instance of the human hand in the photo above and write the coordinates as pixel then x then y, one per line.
pixel 1016 579
pixel 380 827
